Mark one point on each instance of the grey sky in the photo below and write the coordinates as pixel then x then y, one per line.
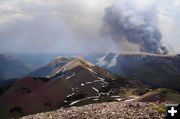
pixel 72 26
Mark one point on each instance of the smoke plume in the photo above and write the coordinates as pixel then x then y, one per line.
pixel 128 22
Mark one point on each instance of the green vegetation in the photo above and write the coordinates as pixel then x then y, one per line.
pixel 125 87
pixel 119 80
pixel 141 90
pixel 165 95
pixel 126 92
pixel 116 76
pixel 168 94
pixel 159 108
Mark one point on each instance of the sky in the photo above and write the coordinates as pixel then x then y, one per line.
pixel 75 26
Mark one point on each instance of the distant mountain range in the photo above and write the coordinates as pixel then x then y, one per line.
pixel 18 65
pixel 50 67
pixel 66 82
pixel 12 67
pixel 156 70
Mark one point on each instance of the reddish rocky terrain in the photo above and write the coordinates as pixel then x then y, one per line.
pixel 76 80
pixel 109 110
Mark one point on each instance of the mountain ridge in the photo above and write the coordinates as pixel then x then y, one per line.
pixel 12 67
pixel 156 70
pixel 76 83
pixel 33 94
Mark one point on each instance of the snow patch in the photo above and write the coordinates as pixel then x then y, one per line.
pixel 92 71
pixel 97 81
pixel 132 98
pixel 74 102
pixel 59 77
pixel 101 61
pixel 60 70
pixel 95 99
pixel 113 61
pixel 103 80
pixel 64 70
pixel 89 82
pixel 95 89
pixel 70 95
pixel 108 93
pixel 70 76
pixel 119 99
pixel 82 84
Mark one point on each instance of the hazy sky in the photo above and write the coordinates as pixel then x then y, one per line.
pixel 74 26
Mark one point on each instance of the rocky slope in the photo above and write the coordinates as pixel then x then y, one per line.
pixel 77 82
pixel 111 110
pixel 156 70
pixel 74 83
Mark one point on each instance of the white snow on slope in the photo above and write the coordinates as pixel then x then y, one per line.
pixel 70 95
pixel 132 98
pixel 113 62
pixel 59 77
pixel 103 80
pixel 89 82
pixel 92 71
pixel 70 76
pixel 101 61
pixel 95 89
pixel 74 102
pixel 108 93
pixel 82 84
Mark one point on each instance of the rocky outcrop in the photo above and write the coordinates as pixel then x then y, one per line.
pixel 111 110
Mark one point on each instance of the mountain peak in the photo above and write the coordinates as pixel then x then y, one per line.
pixel 75 62
pixel 59 59
pixel 81 61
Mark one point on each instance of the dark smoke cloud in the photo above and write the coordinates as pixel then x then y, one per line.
pixel 125 22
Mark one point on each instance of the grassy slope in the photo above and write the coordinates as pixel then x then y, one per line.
pixel 161 95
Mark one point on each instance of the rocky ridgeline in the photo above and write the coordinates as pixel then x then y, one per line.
pixel 110 110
